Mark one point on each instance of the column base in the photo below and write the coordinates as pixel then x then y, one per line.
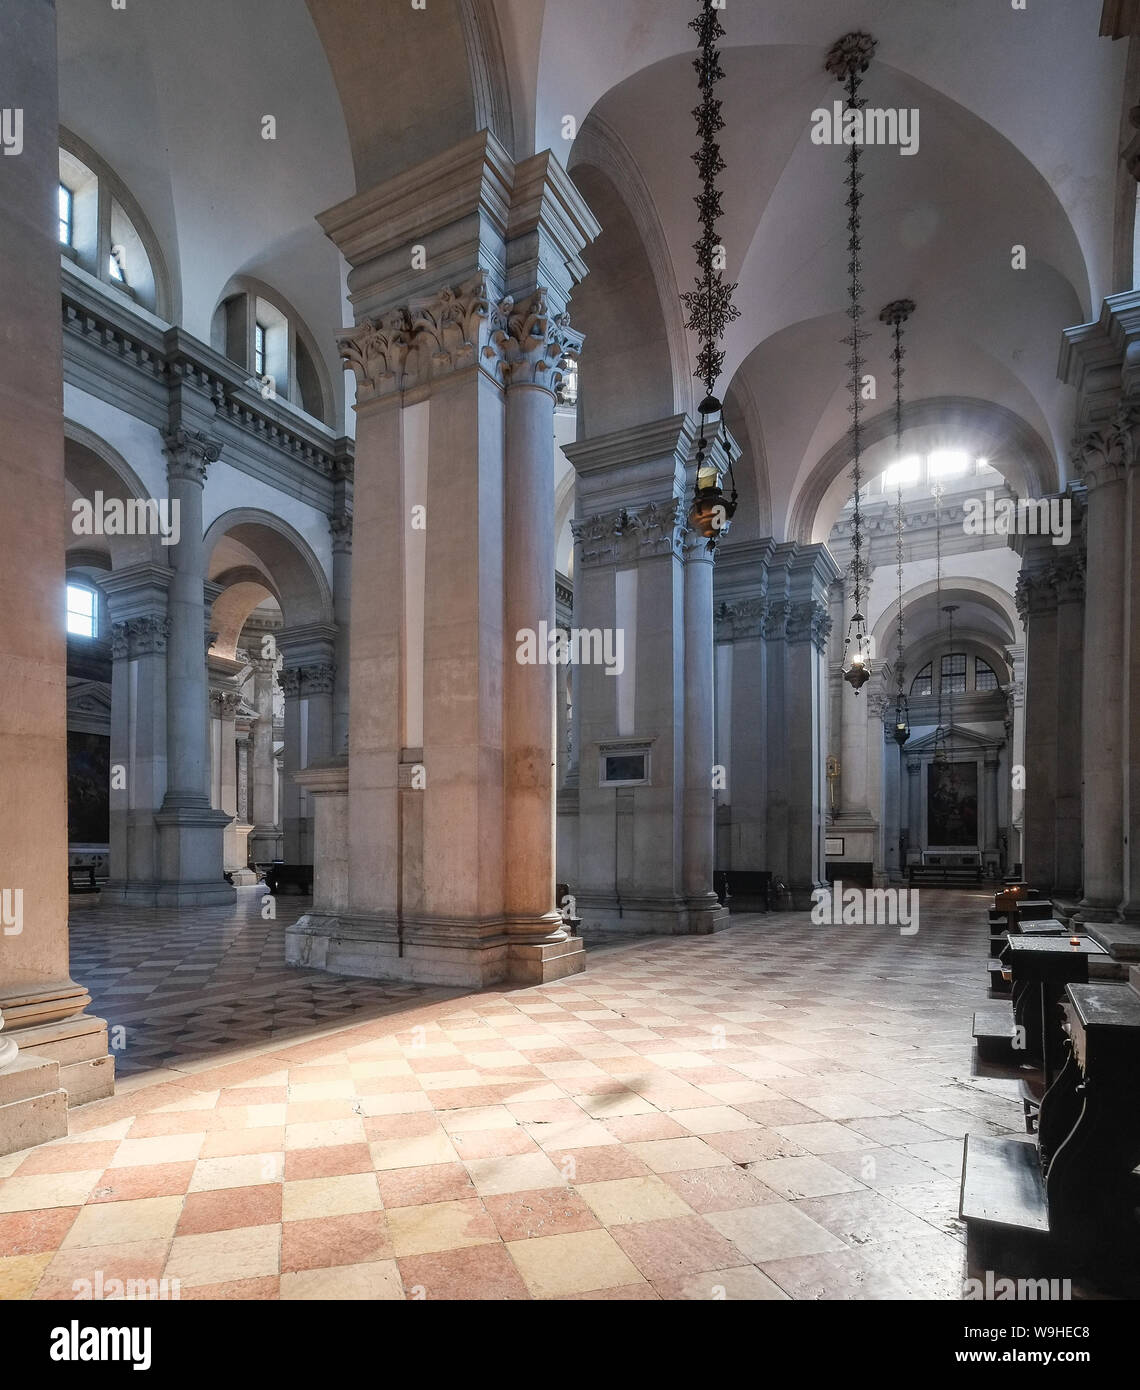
pixel 645 916
pixel 1090 910
pixel 161 894
pixel 33 1104
pixel 465 954
pixel 76 1046
pixel 191 853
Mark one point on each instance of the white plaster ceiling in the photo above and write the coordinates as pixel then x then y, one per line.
pixel 1020 112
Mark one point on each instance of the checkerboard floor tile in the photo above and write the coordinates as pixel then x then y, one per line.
pixel 772 1112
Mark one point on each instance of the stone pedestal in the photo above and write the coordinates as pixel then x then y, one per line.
pixel 452 472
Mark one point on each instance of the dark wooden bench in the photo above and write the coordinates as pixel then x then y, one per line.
pixel 85 872
pixel 743 890
pixel 296 876
pixel 1044 1208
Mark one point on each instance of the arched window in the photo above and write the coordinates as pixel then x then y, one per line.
pixel 923 683
pixel 985 677
pixel 260 331
pixel 82 610
pixel 103 231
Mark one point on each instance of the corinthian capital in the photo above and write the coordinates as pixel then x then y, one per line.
pixel 189 454
pixel 409 346
pixel 1102 455
pixel 532 342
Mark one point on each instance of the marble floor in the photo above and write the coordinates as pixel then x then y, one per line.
pixel 773 1112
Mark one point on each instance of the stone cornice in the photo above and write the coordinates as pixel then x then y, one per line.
pixel 115 354
pixel 476 175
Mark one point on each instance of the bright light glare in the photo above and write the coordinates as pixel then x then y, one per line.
pixel 905 473
pixel 945 463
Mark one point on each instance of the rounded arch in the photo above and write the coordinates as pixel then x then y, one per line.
pixel 991 598
pixel 600 147
pixel 92 465
pixel 987 429
pixel 627 375
pixel 408 117
pixel 283 560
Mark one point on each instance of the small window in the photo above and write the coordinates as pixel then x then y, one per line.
pixel 66 206
pixel 954 674
pixel 923 683
pixel 625 768
pixel 259 349
pixel 985 677
pixel 115 266
pixel 81 611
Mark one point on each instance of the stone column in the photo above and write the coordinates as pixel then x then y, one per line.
pixel 434 352
pixel 1037 605
pixel 265 837
pixel 1015 704
pixel 62 1055
pixel 307 679
pixel 699 802
pixel 293 759
pixel 534 343
pixel 191 831
pixel 1102 459
pixel 1130 900
pixel 140 629
pixel 224 705
pixel 630 581
pixel 915 837
pixel 991 801
pixel 741 611
pixel 1068 576
pixel 810 572
pixel 341 528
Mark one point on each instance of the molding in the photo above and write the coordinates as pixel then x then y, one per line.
pixel 113 353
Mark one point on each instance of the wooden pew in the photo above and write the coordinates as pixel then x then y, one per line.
pixel 1069 1201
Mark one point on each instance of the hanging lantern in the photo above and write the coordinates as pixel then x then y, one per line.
pixel 712 509
pixel 902 720
pixel 857 653
pixel 710 307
